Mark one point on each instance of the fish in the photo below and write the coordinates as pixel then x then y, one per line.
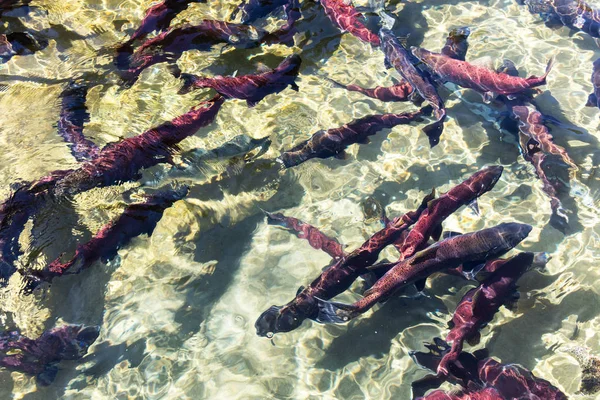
pixel 457 44
pixel 483 394
pixel 118 162
pixel 398 57
pixel 467 192
pixel 449 253
pixel 536 145
pixel 333 142
pixel 479 305
pixel 314 236
pixel 239 146
pixel 335 279
pixel 170 45
pixel 481 79
pixel 574 14
pixel 348 19
pixel 252 10
pixel 401 91
pixel 252 88
pixel 594 97
pixel 137 219
pixel 475 372
pixel 73 116
pixel 39 356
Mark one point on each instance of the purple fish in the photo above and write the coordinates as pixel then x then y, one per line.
pixel 348 19
pixel 487 82
pixel 314 236
pixel 479 305
pixel 40 356
pixel 398 57
pixel 400 92
pixel 430 222
pixel 170 45
pixel 335 279
pixel 457 44
pixel 575 14
pixel 449 253
pixel 73 116
pixel 19 43
pixel 118 162
pixel 483 394
pixel 252 88
pixel 594 97
pixel 330 143
pixel 476 372
pixel 137 219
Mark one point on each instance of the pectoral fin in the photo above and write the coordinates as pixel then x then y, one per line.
pixel 592 101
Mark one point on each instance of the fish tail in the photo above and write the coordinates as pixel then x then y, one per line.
pixel 433 132
pixel 592 100
pixel 431 360
pixel 336 83
pixel 386 20
pixel 548 68
pixel 333 313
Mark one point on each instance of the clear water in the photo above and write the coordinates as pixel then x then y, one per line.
pixel 177 309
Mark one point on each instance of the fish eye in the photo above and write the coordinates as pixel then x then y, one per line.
pixel 270 335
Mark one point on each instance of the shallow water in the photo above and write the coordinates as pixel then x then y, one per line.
pixel 177 309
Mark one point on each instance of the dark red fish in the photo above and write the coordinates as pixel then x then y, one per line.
pixel 575 14
pixel 314 236
pixel 255 9
pixel 137 219
pixel 483 394
pixel 345 17
pixel 398 57
pixel 479 305
pixel 252 88
pixel 73 116
pixel 456 44
pixel 430 222
pixel 449 253
pixel 476 371
pixel 169 45
pixel 39 356
pixel 487 82
pixel 333 142
pixel 335 279
pixel 118 162
pixel 594 97
pixel 399 92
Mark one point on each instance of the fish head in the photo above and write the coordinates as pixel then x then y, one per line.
pixel 488 177
pixel 276 319
pixel 291 65
pixel 513 233
pixel 69 342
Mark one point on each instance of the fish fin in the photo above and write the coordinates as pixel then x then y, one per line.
pixel 488 97
pixel 485 62
pixel 385 20
pixel 386 63
pixel 471 269
pixel 508 67
pixel 450 234
pixel 420 284
pixel 511 303
pixel 294 87
pixel 188 83
pixel 433 132
pixel 549 66
pixel 261 68
pixel 475 339
pixel 540 260
pixel 342 155
pixel 437 232
pixel 300 289
pixel 335 83
pixel 333 313
pixel 592 101
pixel 474 205
pixel 477 303
pixel 251 103
pixel 364 140
pixel 47 376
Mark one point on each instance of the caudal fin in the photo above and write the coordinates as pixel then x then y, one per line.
pixel 335 83
pixel 433 132
pixel 188 83
pixel 548 69
pixel 333 313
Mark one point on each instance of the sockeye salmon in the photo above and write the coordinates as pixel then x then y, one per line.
pixel 449 253
pixel 594 97
pixel 485 81
pixel 345 16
